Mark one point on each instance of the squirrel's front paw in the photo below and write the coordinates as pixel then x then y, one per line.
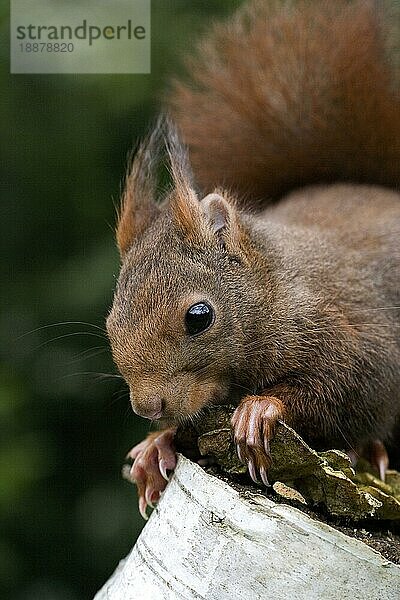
pixel 152 458
pixel 253 425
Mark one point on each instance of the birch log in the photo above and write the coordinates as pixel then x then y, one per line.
pixel 205 540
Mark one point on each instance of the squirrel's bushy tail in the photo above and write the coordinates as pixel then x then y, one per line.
pixel 290 93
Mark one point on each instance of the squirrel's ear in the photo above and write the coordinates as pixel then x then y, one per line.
pixel 138 208
pixel 221 217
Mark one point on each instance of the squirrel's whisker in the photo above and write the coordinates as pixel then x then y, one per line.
pixel 67 335
pixel 60 324
pixel 88 353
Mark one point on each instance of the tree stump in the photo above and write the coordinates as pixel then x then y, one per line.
pixel 205 540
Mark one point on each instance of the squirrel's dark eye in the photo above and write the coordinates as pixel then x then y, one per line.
pixel 199 317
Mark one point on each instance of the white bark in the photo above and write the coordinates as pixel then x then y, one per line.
pixel 207 541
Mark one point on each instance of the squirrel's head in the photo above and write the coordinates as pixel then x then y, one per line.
pixel 177 322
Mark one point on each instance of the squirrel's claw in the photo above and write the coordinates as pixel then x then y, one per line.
pixel 239 453
pixel 148 496
pixel 163 469
pixel 166 452
pixel 375 453
pixel 263 475
pixel 143 507
pixel 252 471
pixel 152 459
pixel 379 458
pixel 253 425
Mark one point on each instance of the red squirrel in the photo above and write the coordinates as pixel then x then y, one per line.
pixel 268 275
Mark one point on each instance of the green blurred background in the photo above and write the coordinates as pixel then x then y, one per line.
pixel 66 517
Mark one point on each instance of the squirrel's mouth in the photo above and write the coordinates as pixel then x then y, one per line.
pixel 184 418
pixel 174 400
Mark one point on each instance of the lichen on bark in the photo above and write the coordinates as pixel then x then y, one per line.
pixel 299 473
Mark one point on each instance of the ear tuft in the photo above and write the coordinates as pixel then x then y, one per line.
pixel 186 211
pixel 138 208
pixel 182 175
pixel 183 202
pixel 137 212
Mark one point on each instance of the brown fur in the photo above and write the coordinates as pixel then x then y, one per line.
pixel 293 93
pixel 306 293
pixel 137 208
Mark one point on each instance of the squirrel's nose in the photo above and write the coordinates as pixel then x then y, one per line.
pixel 151 408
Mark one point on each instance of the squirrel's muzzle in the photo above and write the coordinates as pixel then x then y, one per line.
pixel 152 408
pixel 155 396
